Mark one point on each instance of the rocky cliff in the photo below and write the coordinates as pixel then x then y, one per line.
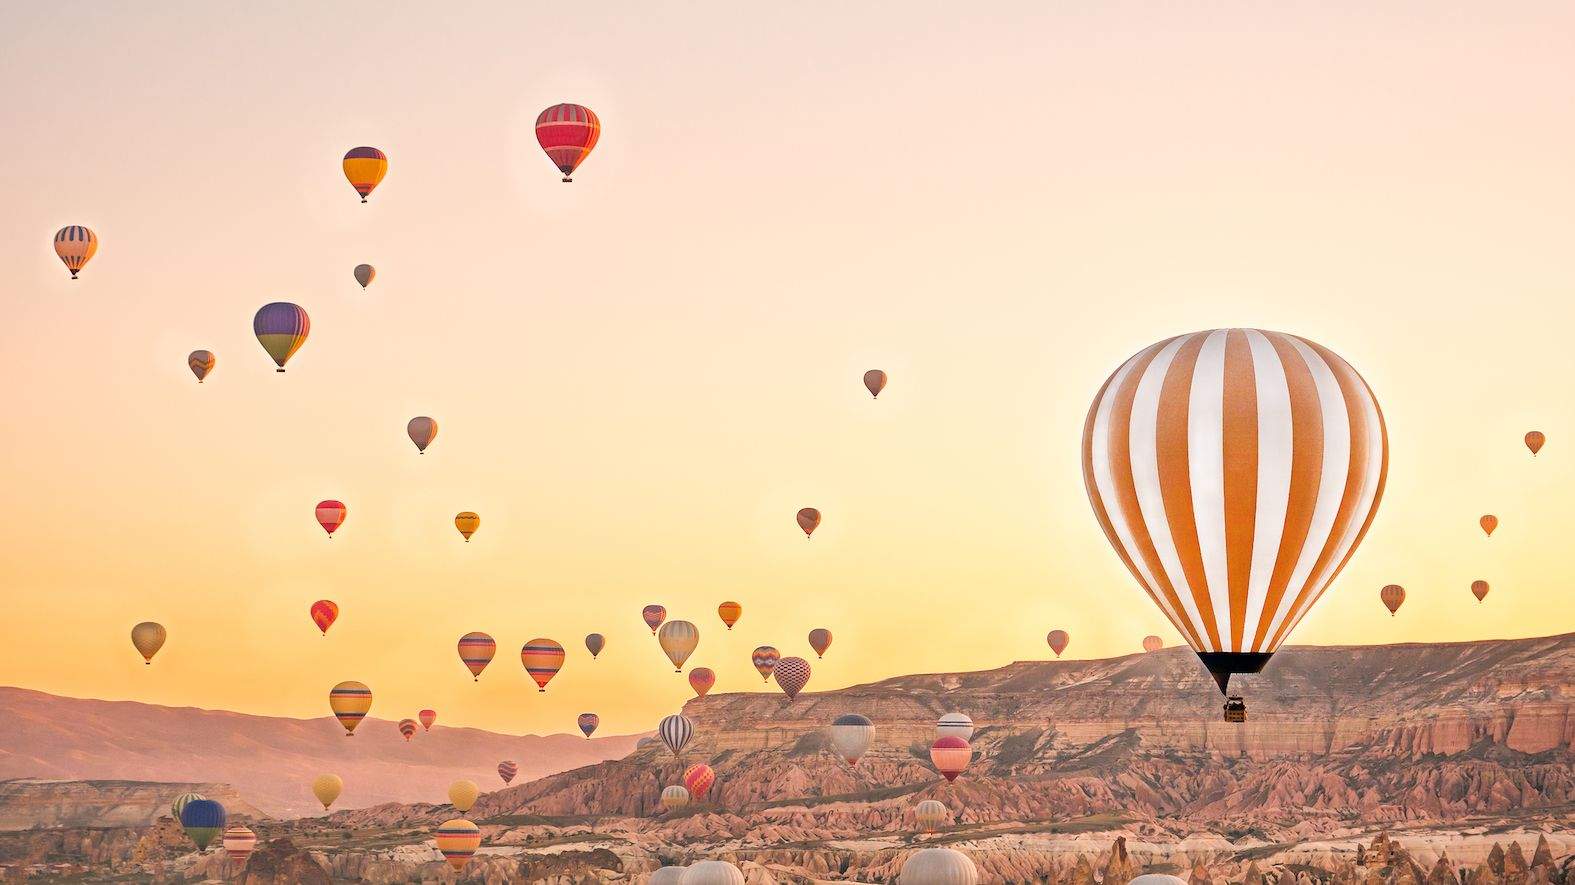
pixel 33 803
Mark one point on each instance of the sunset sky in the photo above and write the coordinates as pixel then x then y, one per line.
pixel 640 377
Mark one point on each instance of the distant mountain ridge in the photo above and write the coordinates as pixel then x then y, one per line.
pixel 270 761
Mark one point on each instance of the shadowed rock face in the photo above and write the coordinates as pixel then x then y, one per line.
pixel 30 803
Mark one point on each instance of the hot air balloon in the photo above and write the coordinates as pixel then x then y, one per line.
pixel 1479 589
pixel 327 788
pixel 203 820
pixel 364 168
pixel 542 658
pixel 1392 595
pixel 476 651
pixel 1534 441
pixel 653 615
pixel 421 430
pixel 875 382
pixel 820 640
pixel 951 756
pixel 426 718
pixel 350 701
pixel 458 840
pixel 730 612
pixel 75 245
pixel 330 515
pixel 281 328
pixel 407 727
pixel 1058 641
pixel 588 723
pixel 506 770
pixel 675 797
pixel 851 735
pixel 1235 471
pixel 808 520
pixel 1158 879
pixel 698 780
pixel 668 876
pixel 181 802
pixel 462 795
pixel 792 675
pixel 938 866
pixel 675 731
pixel 713 872
pixel 567 132
pixel 594 643
pixel 1153 643
pixel 365 274
pixel 678 640
pixel 1488 523
pixel 765 660
pixel 201 363
pixel 956 725
pixel 239 842
pixel 930 815
pixel 467 522
pixel 148 637
pixel 701 679
pixel 324 613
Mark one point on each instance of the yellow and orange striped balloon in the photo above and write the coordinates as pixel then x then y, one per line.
pixel 458 840
pixel 364 168
pixel 730 612
pixel 350 701
pixel 543 658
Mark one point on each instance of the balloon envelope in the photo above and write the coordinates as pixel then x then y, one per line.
pixel 678 640
pixel 957 725
pixel 588 722
pixel 327 788
pixel 458 840
pixel 594 643
pixel 698 780
pixel 1535 440
pixel 568 133
pixel 350 702
pixel 462 794
pixel 938 866
pixel 1392 595
pixel 75 245
pixel 281 328
pixel 201 363
pixel 1234 471
pixel 181 802
pixel 364 169
pixel 330 515
pixel 324 612
pixel 875 382
pixel 476 651
pixel 467 522
pixel 675 797
pixel 950 755
pixel 365 274
pixel 148 637
pixel 1058 641
pixel 930 814
pixel 407 727
pixel 1153 643
pixel 808 520
pixel 507 769
pixel 792 675
pixel 653 615
pixel 730 612
pixel 1479 589
pixel 1488 522
pixel 820 640
pixel 713 872
pixel 239 842
pixel 668 876
pixel 203 820
pixel 765 660
pixel 426 718
pixel 850 736
pixel 675 731
pixel 543 658
pixel 701 679
pixel 421 430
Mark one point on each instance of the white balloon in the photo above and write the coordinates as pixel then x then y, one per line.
pixel 851 736
pixel 937 866
pixel 712 872
pixel 955 725
pixel 668 876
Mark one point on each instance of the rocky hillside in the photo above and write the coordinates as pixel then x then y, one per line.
pixel 34 803
pixel 269 760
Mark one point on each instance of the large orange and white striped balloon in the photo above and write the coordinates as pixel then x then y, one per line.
pixel 1235 471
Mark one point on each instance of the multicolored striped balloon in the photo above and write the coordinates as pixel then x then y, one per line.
pixel 568 133
pixel 678 640
pixel 281 328
pixel 875 382
pixel 203 820
pixel 506 770
pixel 1058 640
pixel 1235 472
pixel 765 660
pixel 75 245
pixel 350 702
pixel 181 801
pixel 730 612
pixel 458 840
pixel 324 613
pixel 701 679
pixel 820 640
pixel 792 675
pixel 698 780
pixel 587 723
pixel 426 718
pixel 467 521
pixel 421 430
pixel 239 842
pixel 950 755
pixel 364 169
pixel 476 651
pixel 675 731
pixel 653 615
pixel 543 658
pixel 201 362
pixel 808 520
pixel 365 274
pixel 330 515
pixel 675 797
pixel 148 637
pixel 594 643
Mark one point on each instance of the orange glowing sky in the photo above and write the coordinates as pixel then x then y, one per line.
pixel 640 377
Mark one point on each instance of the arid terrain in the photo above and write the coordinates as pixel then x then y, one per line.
pixel 1083 771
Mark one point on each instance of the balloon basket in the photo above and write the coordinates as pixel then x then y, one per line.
pixel 1235 709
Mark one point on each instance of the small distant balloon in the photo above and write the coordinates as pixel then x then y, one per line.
pixel 543 658
pixel 653 616
pixel 1488 522
pixel 148 637
pixel 1058 641
pixel 365 274
pixel 467 522
pixel 1479 589
pixel 950 755
pixel 587 723
pixel 820 640
pixel 568 133
pixel 1153 643
pixel 875 382
pixel 239 842
pixel 330 515
pixel 327 788
pixel 324 612
pixel 350 702
pixel 809 520
pixel 678 640
pixel 1392 596
pixel 476 651
pixel 421 430
pixel 457 840
pixel 1534 441
pixel 675 731
pixel 364 169
pixel 281 328
pixel 765 660
pixel 427 718
pixel 701 679
pixel 594 643
pixel 201 363
pixel 698 780
pixel 75 245
pixel 507 769
pixel 730 612
pixel 407 727
pixel 851 735
pixel 792 675
pixel 929 814
pixel 462 795
pixel 675 797
pixel 180 803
